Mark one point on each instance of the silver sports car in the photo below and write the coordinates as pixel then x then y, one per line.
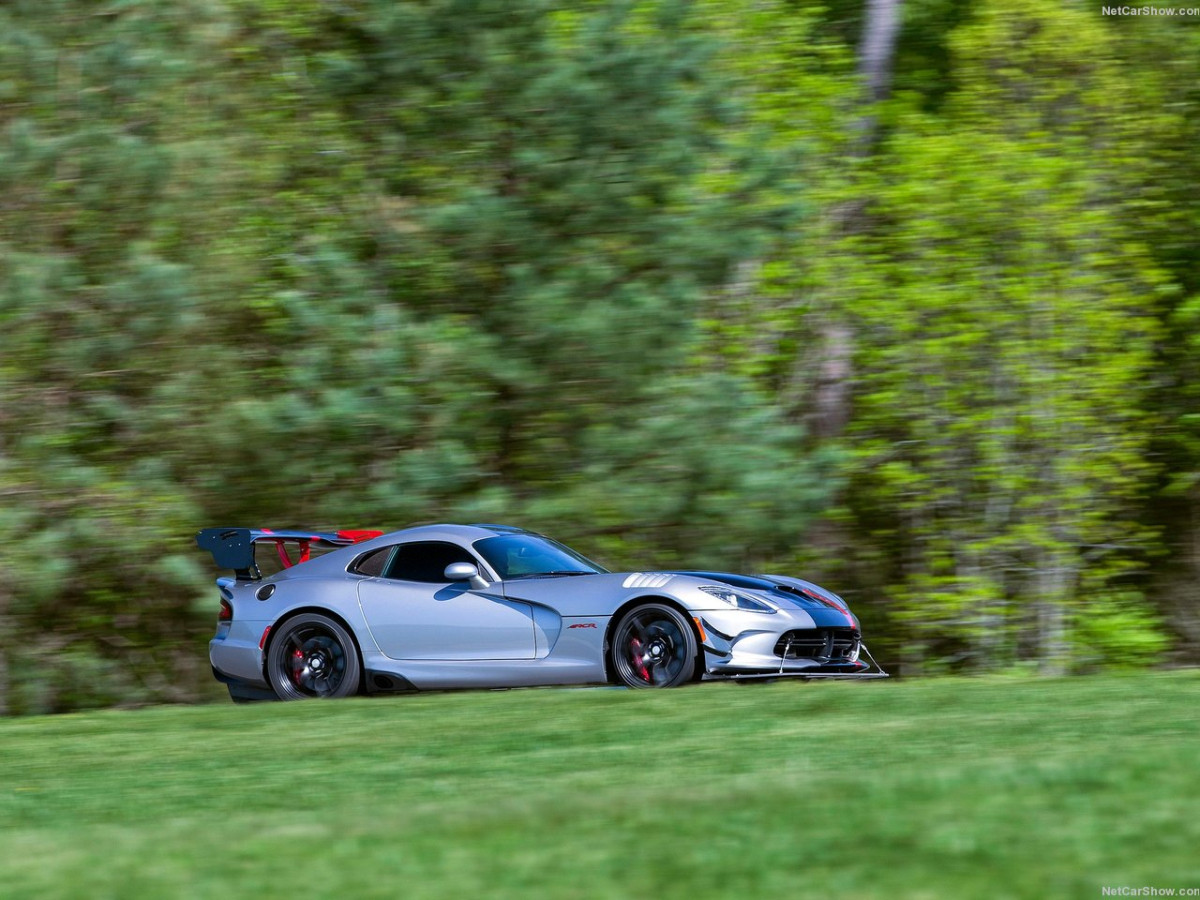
pixel 487 606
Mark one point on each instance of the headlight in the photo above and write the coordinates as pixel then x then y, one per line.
pixel 736 599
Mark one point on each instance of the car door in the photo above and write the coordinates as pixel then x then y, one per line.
pixel 414 613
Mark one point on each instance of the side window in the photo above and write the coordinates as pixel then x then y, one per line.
pixel 426 561
pixel 372 564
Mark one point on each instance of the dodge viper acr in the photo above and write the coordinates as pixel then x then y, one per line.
pixel 442 607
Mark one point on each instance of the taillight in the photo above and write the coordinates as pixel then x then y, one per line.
pixel 226 613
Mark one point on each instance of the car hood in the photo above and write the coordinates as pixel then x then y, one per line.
pixel 825 607
pixel 603 593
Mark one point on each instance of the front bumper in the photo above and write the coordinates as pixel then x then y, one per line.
pixel 786 644
pixel 718 669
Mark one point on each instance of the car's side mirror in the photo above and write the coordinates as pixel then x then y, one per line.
pixel 465 571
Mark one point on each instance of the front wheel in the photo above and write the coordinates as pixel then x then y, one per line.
pixel 312 656
pixel 654 646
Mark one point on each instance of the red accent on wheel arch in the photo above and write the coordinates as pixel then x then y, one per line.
pixel 262 641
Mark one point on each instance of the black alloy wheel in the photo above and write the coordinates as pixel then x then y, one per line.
pixel 312 656
pixel 654 647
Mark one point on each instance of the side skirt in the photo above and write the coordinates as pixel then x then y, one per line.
pixel 387 683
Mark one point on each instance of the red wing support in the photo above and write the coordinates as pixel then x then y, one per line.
pixel 233 548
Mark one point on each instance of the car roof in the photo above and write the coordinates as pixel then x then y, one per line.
pixel 442 531
pixel 339 559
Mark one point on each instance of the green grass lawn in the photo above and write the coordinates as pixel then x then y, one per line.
pixel 940 788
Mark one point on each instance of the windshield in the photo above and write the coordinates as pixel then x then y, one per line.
pixel 519 555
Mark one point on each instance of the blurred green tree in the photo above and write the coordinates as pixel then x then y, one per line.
pixel 91 304
pixel 1003 412
pixel 498 302
pixel 625 272
pixel 300 262
pixel 1162 56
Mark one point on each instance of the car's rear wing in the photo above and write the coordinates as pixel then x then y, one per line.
pixel 233 548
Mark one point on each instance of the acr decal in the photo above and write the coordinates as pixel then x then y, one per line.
pixel 583 625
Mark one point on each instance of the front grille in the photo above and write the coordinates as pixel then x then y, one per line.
pixel 818 643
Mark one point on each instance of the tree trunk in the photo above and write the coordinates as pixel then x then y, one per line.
pixel 876 52
pixel 831 396
pixel 1054 583
pixel 878 47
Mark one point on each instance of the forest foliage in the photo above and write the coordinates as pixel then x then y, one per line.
pixel 653 277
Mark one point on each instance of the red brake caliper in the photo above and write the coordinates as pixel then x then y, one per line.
pixel 297 665
pixel 636 646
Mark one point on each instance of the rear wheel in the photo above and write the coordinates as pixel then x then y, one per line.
pixel 654 646
pixel 312 656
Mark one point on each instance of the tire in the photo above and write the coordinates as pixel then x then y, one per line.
pixel 654 646
pixel 312 656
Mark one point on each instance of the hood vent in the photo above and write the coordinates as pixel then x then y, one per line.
pixel 646 580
